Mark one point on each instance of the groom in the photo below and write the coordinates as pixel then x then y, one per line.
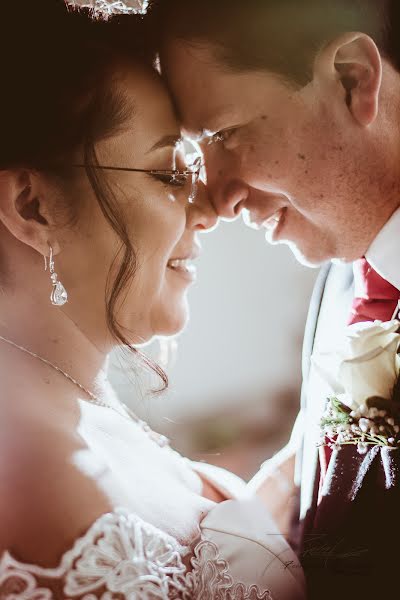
pixel 296 107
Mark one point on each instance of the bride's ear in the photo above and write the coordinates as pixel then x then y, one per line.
pixel 24 210
pixel 353 61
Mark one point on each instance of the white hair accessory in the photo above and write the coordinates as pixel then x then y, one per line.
pixel 107 8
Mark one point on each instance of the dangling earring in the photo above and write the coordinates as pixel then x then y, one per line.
pixel 58 294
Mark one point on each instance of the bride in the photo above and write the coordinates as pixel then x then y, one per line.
pixel 99 217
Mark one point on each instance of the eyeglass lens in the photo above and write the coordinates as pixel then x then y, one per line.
pixel 191 154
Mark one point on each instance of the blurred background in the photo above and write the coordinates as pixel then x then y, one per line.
pixel 235 372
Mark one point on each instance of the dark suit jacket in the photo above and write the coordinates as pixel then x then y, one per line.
pixel 349 544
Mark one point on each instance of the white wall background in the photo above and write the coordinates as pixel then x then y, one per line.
pixel 244 337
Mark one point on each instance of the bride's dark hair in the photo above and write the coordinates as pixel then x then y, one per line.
pixel 57 65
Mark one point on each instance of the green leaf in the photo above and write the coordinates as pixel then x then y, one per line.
pixel 339 406
pixel 382 438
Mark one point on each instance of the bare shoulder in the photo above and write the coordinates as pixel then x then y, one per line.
pixel 47 501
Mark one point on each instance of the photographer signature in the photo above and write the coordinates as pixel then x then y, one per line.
pixel 317 546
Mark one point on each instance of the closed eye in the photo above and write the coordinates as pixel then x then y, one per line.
pixel 172 179
pixel 221 136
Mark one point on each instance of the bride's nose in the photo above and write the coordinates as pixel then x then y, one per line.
pixel 200 212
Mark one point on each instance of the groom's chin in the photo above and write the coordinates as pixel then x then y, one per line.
pixel 308 256
pixel 311 245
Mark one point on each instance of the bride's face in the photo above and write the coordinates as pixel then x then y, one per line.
pixel 159 221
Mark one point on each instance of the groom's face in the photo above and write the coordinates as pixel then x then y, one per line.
pixel 292 161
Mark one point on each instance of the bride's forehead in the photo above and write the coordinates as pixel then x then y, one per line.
pixel 144 90
pixel 142 84
pixel 149 115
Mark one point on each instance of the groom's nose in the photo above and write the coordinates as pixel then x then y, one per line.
pixel 228 192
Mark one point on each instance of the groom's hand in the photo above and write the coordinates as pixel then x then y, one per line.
pixel 274 485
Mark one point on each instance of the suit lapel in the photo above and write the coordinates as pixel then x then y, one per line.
pixel 331 317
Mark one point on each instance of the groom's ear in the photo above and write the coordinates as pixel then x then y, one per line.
pixel 353 61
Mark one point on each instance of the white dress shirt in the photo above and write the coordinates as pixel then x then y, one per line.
pixel 384 253
pixel 384 256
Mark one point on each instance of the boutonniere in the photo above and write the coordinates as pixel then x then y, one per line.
pixel 364 375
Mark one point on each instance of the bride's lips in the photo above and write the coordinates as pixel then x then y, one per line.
pixel 184 267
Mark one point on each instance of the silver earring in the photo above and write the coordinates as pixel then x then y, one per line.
pixel 58 294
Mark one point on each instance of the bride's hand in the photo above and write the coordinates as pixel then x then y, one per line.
pixel 274 485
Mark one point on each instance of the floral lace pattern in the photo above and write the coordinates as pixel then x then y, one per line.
pixel 210 578
pixel 121 556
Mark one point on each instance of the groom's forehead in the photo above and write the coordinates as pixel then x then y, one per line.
pixel 204 92
pixel 199 85
pixel 205 111
pixel 200 124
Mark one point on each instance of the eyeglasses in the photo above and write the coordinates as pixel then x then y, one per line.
pixel 177 177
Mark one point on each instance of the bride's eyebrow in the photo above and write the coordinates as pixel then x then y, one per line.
pixel 166 141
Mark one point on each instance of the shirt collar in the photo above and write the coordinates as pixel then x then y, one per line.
pixel 384 252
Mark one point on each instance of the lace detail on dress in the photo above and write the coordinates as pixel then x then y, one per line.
pixel 210 578
pixel 121 556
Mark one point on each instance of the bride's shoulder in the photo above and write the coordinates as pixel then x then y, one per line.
pixel 60 536
pixel 46 497
pixel 117 555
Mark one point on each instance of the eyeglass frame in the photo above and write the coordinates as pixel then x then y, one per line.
pixel 194 170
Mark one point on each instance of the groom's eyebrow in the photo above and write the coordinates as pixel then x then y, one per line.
pixel 166 141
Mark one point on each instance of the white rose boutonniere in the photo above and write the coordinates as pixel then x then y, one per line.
pixel 364 376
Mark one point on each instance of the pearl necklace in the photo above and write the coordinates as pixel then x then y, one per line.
pixel 161 440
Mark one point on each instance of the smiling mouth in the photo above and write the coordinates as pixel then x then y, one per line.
pixel 183 265
pixel 273 221
pixel 258 222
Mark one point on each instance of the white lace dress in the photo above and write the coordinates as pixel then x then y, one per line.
pixel 122 556
pixel 238 554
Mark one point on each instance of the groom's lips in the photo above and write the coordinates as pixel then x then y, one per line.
pixel 273 221
pixel 268 220
pixel 274 225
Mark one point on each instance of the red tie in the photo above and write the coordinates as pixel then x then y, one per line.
pixel 376 300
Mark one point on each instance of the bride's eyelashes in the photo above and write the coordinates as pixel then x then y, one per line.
pixel 173 180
